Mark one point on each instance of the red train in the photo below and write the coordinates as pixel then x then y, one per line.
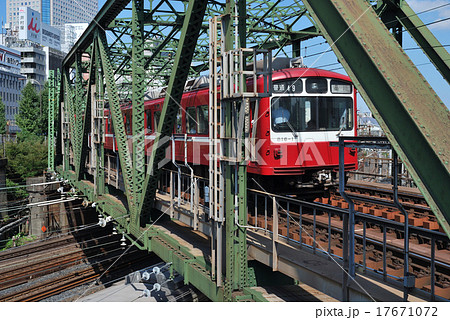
pixel 308 109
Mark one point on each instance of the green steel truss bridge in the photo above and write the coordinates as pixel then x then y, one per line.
pixel 133 46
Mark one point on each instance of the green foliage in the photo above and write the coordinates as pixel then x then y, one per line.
pixel 19 240
pixel 2 117
pixel 15 193
pixel 32 117
pixel 27 157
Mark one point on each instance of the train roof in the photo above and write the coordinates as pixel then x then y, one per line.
pixel 196 86
pixel 306 72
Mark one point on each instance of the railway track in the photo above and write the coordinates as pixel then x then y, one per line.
pixel 41 290
pixel 43 269
pixel 374 198
pixel 320 232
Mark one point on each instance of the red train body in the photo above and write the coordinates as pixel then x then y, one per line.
pixel 308 109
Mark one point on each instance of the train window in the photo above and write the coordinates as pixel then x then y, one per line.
pixel 191 120
pixel 148 119
pixel 202 119
pixel 179 124
pixel 335 113
pixel 156 116
pixel 338 86
pixel 288 86
pixel 316 85
pixel 297 114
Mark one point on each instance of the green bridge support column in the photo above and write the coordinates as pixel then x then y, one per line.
pixel 138 91
pixel 51 121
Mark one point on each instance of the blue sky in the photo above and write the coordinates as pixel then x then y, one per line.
pixel 441 30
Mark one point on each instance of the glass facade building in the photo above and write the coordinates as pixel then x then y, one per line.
pixel 46 18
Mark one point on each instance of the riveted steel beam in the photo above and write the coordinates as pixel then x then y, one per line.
pixel 58 118
pixel 180 69
pixel 421 34
pixel 69 119
pixel 414 119
pixel 84 117
pixel 79 108
pixel 117 117
pixel 107 13
pixel 51 120
pixel 138 91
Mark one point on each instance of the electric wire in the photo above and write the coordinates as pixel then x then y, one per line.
pixel 134 242
pixel 29 185
pixel 52 213
pixel 74 230
pixel 78 260
pixel 55 257
pixel 104 260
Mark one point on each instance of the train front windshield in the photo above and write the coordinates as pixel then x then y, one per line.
pixel 311 113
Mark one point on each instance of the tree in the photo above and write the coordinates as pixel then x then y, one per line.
pixel 26 157
pixel 32 117
pixel 2 117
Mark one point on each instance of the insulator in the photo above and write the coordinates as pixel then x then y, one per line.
pixel 156 287
pixel 146 293
pixel 156 270
pixel 114 230
pixel 145 276
pixel 123 242
pixel 102 222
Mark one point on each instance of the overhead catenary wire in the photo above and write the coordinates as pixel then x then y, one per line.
pixel 75 229
pixel 5 266
pixel 132 244
pixel 95 255
pixel 29 185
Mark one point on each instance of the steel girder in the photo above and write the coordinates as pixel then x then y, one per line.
pixel 414 119
pixel 117 118
pixel 84 115
pixel 267 25
pixel 180 71
pixel 159 28
pixel 69 119
pixel 138 91
pixel 51 120
pixel 78 110
pixel 402 14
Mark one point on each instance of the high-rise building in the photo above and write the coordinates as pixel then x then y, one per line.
pixel 72 32
pixel 54 12
pixel 11 83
